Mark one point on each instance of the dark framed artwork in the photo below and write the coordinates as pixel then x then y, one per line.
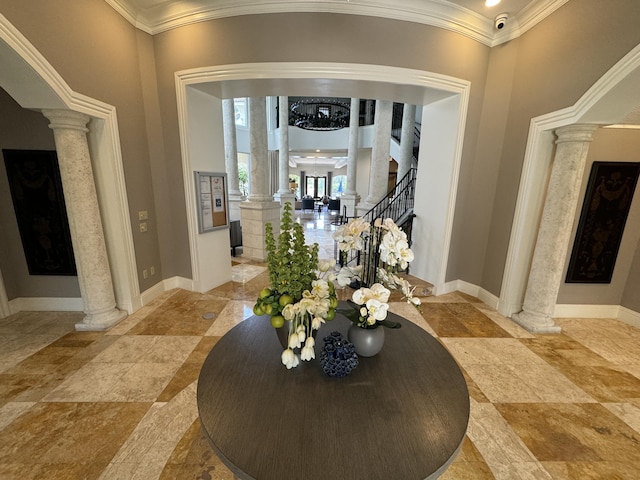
pixel 604 215
pixel 38 201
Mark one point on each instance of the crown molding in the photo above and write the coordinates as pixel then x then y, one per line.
pixel 438 13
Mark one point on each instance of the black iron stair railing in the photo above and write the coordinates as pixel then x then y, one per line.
pixel 398 205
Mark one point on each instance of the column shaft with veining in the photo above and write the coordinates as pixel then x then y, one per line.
pixel 231 157
pixel 379 173
pixel 87 235
pixel 545 277
pixel 259 209
pixel 350 197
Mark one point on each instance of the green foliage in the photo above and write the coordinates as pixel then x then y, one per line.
pixel 292 265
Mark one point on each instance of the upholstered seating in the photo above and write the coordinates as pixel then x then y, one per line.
pixel 307 204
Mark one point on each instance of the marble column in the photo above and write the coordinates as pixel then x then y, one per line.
pixel 283 195
pixel 231 158
pixel 350 197
pixel 368 111
pixel 554 233
pixel 379 172
pixel 259 209
pixel 406 139
pixel 89 248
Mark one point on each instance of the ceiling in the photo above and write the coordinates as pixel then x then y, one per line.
pixel 468 17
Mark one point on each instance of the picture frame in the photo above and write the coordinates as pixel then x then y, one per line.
pixel 38 201
pixel 602 221
pixel 212 201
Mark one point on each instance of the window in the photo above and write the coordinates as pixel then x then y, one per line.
pixel 316 186
pixel 241 108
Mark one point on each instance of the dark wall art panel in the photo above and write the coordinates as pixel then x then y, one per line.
pixel 36 190
pixel 602 221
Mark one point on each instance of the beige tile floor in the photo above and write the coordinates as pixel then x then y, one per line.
pixel 121 404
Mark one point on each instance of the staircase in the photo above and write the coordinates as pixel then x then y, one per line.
pixel 398 205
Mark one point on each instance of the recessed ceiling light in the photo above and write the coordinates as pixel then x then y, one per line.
pixel 491 3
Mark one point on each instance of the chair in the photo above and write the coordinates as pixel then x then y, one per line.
pixel 307 204
pixel 334 205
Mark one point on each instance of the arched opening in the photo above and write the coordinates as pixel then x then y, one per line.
pixel 607 102
pixel 444 101
pixel 30 80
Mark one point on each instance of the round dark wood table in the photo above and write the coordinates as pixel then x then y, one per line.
pixel 400 415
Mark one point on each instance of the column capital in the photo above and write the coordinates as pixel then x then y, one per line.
pixel 67 119
pixel 577 132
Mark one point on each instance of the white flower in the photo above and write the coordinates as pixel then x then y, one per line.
pixel 379 292
pixel 360 296
pixel 317 322
pixel 290 359
pixel 288 312
pixel 350 235
pixel 326 265
pixel 320 288
pixel 307 352
pixel 377 309
pixel 294 340
pixel 346 275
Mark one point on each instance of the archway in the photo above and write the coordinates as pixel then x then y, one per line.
pixel 444 101
pixel 30 80
pixel 606 102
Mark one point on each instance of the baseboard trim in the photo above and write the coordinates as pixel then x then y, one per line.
pixel 616 312
pixel 474 290
pixel 46 304
pixel 165 285
pixel 586 311
pixel 629 316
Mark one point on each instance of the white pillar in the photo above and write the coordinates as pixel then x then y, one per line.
pixel 259 208
pixel 94 275
pixel 406 139
pixel 379 173
pixel 283 195
pixel 350 197
pixel 231 157
pixel 555 229
pixel 259 170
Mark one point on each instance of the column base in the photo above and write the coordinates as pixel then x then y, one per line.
pixel 99 322
pixel 254 217
pixel 234 206
pixel 283 198
pixel 350 201
pixel 363 207
pixel 536 323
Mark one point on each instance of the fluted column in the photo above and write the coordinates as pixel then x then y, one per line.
pixel 379 172
pixel 555 229
pixel 283 194
pixel 260 207
pixel 406 139
pixel 231 157
pixel 89 248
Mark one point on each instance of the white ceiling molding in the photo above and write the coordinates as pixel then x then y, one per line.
pixel 439 13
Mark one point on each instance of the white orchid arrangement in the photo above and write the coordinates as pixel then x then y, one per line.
pixel 388 244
